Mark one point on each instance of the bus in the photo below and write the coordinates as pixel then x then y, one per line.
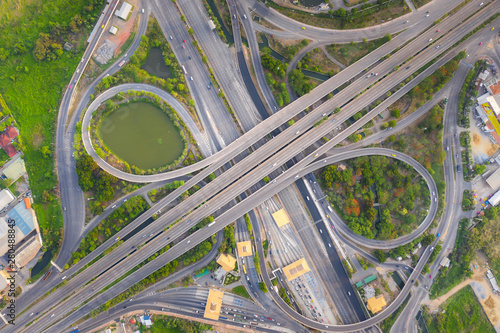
pixel 121 63
pixel 330 209
pixel 244 269
pixel 184 69
pixel 211 224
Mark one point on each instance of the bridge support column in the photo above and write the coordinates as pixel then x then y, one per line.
pixel 54 264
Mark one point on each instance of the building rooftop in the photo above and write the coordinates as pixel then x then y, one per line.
pixel 26 252
pixel 494 179
pixel 6 197
pixel 11 131
pixel 10 150
pixel 296 269
pixel 124 10
pixel 15 169
pixel 23 217
pixel 244 249
pixel 113 30
pixel 445 262
pixel 4 140
pixel 227 261
pixel 214 303
pixel 281 217
pixel 376 304
pixel 495 88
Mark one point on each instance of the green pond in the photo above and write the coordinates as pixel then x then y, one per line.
pixel 142 135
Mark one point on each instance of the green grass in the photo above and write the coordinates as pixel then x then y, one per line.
pixel 241 291
pixel 348 54
pixel 33 89
pixel 3 155
pixel 463 313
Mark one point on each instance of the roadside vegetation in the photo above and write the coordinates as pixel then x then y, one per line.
pixel 467 201
pixel 367 15
pixel 34 70
pixel 157 194
pixel 483 236
pixel 275 72
pixel 378 197
pixel 166 324
pixel 241 291
pixel 465 101
pixel 316 61
pixel 348 54
pixel 120 217
pixel 462 312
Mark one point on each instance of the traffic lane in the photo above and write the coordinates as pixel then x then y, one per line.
pixel 343 285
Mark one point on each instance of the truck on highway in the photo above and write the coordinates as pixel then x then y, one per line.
pixel 184 69
pixel 211 224
pixel 244 269
pixel 121 63
pixel 330 209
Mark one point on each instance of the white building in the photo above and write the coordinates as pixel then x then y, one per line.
pixel 495 199
pixel 6 197
pixel 113 30
pixel 124 10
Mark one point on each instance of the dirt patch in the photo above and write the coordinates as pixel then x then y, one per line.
pixel 482 147
pixel 37 136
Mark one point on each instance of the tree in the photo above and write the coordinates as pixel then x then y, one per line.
pixel 385 125
pixel 392 123
pixel 480 168
pixel 291 122
pixel 395 113
pixel 380 255
pixel 427 240
pixel 266 179
pixel 263 287
pixel 392 138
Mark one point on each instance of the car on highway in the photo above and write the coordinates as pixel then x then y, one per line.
pixel 102 27
pixel 437 30
pixel 191 78
pixel 481 43
pixel 321 230
pixel 170 37
pixel 427 15
pixel 430 276
pixel 432 248
pixel 492 29
pixel 70 86
pixel 430 40
pixel 482 3
pixel 393 155
pixel 297 132
pixel 303 28
pixel 408 67
pixel 376 74
pixel 437 47
pixel 349 293
pixel 183 41
pixel 183 46
pixel 439 234
pixel 189 57
pixel 329 245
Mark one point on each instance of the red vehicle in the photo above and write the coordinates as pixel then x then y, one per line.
pixel 437 30
pixel 70 86
pixel 183 41
pixel 480 43
pixel 46 276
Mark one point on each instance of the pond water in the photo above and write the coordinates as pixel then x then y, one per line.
pixel 155 64
pixel 142 135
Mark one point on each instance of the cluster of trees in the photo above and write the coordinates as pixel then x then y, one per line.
pixel 47 44
pixel 300 83
pixel 355 14
pixel 91 177
pixel 274 65
pixel 278 89
pixel 120 217
pixel 214 19
pixel 228 244
pixel 198 252
pixel 172 324
pixel 464 102
pixel 403 250
pixel 156 194
pixel 435 82
pixel 351 190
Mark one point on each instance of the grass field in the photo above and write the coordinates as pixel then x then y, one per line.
pixel 462 313
pixel 348 54
pixel 32 89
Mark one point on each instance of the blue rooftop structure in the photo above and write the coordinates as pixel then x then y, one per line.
pixel 23 218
